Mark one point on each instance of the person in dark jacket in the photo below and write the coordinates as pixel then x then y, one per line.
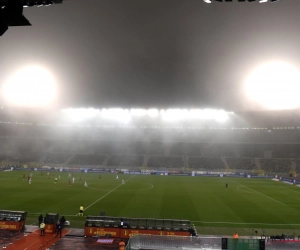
pixel 40 219
pixel 62 221
pixel 59 230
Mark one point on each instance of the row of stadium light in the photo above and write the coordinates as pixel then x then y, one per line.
pixel 260 1
pixel 166 115
pixel 28 3
pixel 146 127
pixel 38 3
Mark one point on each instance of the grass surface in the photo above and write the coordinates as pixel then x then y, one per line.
pixel 247 206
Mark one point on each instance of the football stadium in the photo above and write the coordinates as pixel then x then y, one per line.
pixel 149 125
pixel 237 173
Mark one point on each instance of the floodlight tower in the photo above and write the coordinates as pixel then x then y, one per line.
pixel 260 1
pixel 11 12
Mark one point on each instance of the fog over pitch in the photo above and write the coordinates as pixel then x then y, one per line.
pixel 153 53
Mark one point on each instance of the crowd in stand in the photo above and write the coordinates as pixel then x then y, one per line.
pixel 165 162
pixel 86 159
pixel 212 150
pixel 56 158
pixel 271 158
pixel 205 163
pixel 156 148
pixel 125 160
pixel 276 165
pixel 241 163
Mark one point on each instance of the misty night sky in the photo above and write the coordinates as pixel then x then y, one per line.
pixel 153 53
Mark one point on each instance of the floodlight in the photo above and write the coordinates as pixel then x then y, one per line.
pixel 207 1
pixel 31 86
pixel 274 85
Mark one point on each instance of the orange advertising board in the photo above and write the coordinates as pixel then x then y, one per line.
pixel 50 228
pixel 127 233
pixel 12 225
pixel 93 231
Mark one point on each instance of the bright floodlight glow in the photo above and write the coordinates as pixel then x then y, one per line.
pixel 174 114
pixel 125 115
pixel 194 114
pixel 138 112
pixel 116 114
pixel 32 86
pixel 275 86
pixel 152 113
pixel 80 114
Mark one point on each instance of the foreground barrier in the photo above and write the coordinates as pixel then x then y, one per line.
pixel 181 243
pixel 171 242
pixel 12 220
pixel 118 227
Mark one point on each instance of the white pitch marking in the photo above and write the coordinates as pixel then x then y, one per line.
pixel 262 194
pixel 244 191
pixel 106 194
pixel 291 190
pixel 142 189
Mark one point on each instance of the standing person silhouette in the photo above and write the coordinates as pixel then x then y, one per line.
pixel 40 219
pixel 81 210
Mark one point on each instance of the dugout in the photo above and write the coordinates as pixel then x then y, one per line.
pixel 12 220
pixel 51 220
pixel 125 227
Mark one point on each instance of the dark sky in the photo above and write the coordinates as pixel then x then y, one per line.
pixel 153 53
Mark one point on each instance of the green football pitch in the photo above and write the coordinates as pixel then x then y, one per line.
pixel 248 205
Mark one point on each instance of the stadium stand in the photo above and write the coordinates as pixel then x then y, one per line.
pixel 205 163
pixel 86 159
pixel 276 165
pixel 126 161
pixel 165 162
pixel 260 141
pixel 241 163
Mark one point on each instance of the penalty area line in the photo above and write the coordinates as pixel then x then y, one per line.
pixel 105 195
pixel 261 194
